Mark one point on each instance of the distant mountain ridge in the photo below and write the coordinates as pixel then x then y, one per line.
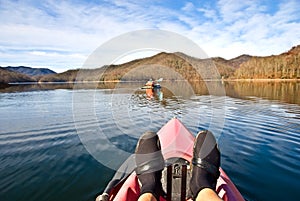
pixel 22 74
pixel 31 71
pixel 7 76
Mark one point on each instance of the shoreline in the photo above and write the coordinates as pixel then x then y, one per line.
pixel 119 81
pixel 261 80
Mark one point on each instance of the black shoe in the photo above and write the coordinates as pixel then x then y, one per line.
pixel 206 163
pixel 150 163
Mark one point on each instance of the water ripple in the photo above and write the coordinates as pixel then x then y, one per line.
pixel 259 140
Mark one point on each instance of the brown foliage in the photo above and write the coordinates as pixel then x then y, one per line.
pixel 283 66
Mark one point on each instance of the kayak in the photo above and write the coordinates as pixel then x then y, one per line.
pixel 153 86
pixel 177 149
pixel 147 87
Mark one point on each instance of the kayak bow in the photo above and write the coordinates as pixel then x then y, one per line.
pixel 176 143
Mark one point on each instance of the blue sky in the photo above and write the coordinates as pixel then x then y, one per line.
pixel 62 34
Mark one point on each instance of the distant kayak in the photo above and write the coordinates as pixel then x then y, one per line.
pixel 177 148
pixel 147 87
pixel 152 84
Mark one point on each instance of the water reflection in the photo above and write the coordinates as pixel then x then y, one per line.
pixel 281 91
pixel 155 93
pixel 272 90
pixel 53 86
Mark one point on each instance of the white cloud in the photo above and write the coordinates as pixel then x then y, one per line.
pixel 135 54
pixel 247 28
pixel 208 13
pixel 61 34
pixel 232 10
pixel 188 7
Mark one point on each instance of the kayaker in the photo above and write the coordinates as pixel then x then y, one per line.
pixel 205 172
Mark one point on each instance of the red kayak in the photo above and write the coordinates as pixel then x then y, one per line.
pixel 177 148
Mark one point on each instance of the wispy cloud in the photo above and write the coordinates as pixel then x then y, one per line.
pixel 248 27
pixel 61 34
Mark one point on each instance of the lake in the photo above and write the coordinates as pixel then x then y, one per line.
pixel 64 141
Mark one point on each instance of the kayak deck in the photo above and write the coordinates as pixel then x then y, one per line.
pixel 176 142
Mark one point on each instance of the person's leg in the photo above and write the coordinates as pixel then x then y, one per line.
pixel 208 194
pixel 147 197
pixel 206 163
pixel 150 163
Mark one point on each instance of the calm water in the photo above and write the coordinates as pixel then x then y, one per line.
pixel 43 130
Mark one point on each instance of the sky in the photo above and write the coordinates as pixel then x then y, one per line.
pixel 60 35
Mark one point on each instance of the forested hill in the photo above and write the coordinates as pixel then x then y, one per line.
pixel 166 65
pixel 176 66
pixel 283 66
pixel 170 66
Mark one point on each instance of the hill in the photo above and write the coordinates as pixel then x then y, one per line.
pixel 31 71
pixel 7 76
pixel 178 66
pixel 174 66
pixel 283 66
pixel 67 76
pixel 170 66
